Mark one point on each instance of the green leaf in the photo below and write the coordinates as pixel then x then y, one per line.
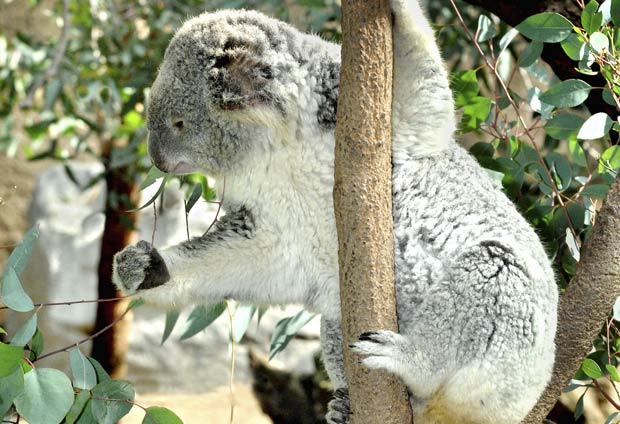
pixel 615 12
pixel 20 255
pixel 591 20
pixel 201 317
pixel 506 39
pixel 285 331
pixel 530 53
pixel 87 416
pixel 46 398
pixel 172 317
pixel 591 368
pixel 241 320
pixel 153 175
pixel 160 190
pixel 560 169
pixel 136 303
pixel 598 191
pixel 613 373
pixel 84 374
pixel 572 46
pixel 475 112
pixel 81 399
pixel 23 335
pixel 612 418
pixel 10 387
pixel 579 407
pixel 547 27
pixel 36 346
pixel 108 411
pixel 572 244
pixel 576 152
pixel 102 375
pixel 596 126
pixel 12 293
pixel 160 415
pixel 599 42
pixel 609 159
pixel 569 93
pixel 563 125
pixel 486 29
pixel 193 198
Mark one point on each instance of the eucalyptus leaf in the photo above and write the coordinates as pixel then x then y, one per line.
pixel 486 29
pixel 109 400
pixel 160 415
pixel 569 93
pixel 548 27
pixel 172 316
pixel 591 368
pixel 241 320
pixel 23 335
pixel 21 253
pixel 201 317
pixel 84 374
pixel 531 53
pixel 46 398
pixel 596 126
pixel 12 293
pixel 286 329
pixel 10 386
pixel 609 159
pixel 563 125
pixel 599 42
pixel 81 399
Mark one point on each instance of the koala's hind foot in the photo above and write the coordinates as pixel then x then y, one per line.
pixel 139 267
pixel 338 409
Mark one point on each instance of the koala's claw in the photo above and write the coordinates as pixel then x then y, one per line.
pixel 338 409
pixel 139 267
pixel 381 349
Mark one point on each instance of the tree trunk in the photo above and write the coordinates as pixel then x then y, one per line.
pixel 122 195
pixel 589 298
pixel 363 204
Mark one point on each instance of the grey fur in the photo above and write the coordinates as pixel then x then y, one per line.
pixel 252 101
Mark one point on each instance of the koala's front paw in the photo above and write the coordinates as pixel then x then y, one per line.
pixel 139 267
pixel 338 409
pixel 381 349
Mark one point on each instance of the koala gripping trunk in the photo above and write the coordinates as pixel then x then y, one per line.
pixel 363 204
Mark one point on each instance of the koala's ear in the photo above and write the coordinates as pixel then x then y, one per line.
pixel 240 77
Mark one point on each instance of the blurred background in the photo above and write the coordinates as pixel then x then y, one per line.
pixel 74 78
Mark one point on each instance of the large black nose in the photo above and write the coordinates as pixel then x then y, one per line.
pixel 157 154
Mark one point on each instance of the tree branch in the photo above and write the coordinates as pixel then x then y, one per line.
pixel 585 305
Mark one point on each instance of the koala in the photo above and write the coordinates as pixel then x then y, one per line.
pixel 252 102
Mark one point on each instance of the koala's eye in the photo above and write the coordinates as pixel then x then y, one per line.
pixel 178 124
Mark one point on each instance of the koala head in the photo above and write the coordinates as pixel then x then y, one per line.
pixel 228 80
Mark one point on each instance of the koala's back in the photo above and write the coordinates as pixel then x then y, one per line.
pixel 474 282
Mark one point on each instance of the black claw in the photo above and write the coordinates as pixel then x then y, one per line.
pixel 368 336
pixel 342 393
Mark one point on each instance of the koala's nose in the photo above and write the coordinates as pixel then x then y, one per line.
pixel 178 124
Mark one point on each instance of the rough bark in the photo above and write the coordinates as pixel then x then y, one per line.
pixel 514 12
pixel 585 305
pixel 363 204
pixel 110 347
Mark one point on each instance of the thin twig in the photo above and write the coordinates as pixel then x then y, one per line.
pixel 541 161
pixel 74 302
pixel 92 336
pixel 231 382
pixel 605 394
pixel 219 207
pixel 59 53
pixel 154 224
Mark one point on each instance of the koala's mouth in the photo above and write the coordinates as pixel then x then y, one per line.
pixel 182 168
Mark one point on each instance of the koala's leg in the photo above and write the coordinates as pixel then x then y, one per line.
pixel 338 409
pixel 235 260
pixel 423 109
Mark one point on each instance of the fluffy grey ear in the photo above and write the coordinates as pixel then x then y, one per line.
pixel 241 77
